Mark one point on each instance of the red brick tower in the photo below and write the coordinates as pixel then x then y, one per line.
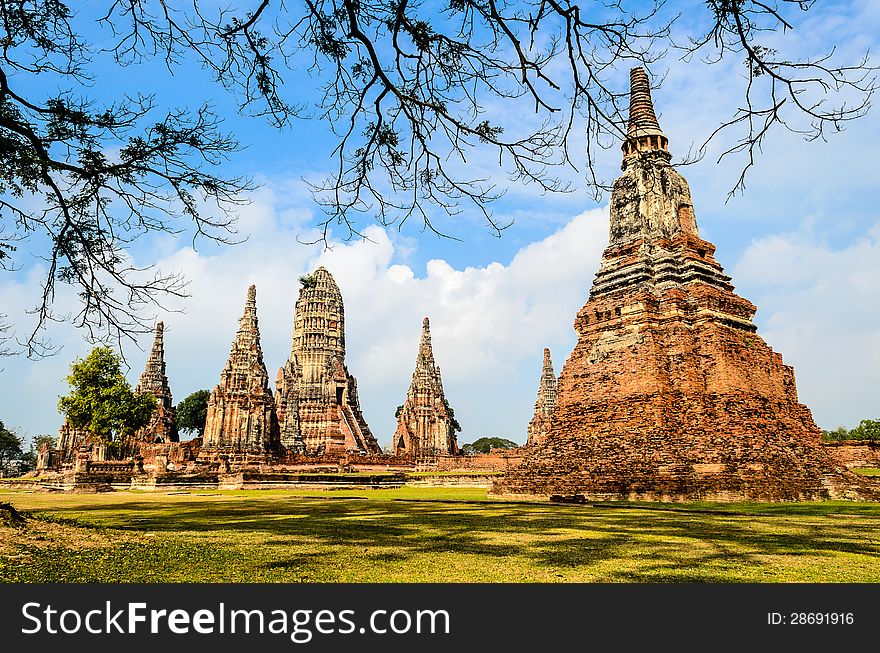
pixel 669 393
pixel 539 426
pixel 425 420
pixel 163 425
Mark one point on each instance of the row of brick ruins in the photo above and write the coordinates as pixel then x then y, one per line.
pixel 315 408
pixel 669 393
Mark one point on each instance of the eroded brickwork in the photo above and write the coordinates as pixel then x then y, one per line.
pixel 669 393
pixel 241 409
pixel 425 422
pixel 163 425
pixel 539 426
pixel 317 401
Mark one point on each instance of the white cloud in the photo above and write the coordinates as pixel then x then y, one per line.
pixel 489 323
pixel 820 307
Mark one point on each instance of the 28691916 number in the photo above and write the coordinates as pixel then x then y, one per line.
pixel 820 618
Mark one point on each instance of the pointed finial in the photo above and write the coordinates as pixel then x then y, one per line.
pixel 546 355
pixel 643 130
pixel 425 345
pixel 252 294
pixel 158 350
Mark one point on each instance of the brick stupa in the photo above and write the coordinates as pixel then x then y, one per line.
pixel 425 420
pixel 163 425
pixel 241 409
pixel 670 394
pixel 539 426
pixel 317 399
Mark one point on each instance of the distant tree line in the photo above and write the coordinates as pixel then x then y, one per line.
pixel 485 445
pixel 868 429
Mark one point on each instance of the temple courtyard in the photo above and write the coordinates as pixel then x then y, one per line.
pixel 427 534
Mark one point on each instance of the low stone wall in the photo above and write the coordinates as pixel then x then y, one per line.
pixel 499 460
pixel 855 453
pixel 252 480
pixel 477 481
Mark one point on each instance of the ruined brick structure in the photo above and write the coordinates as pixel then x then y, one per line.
pixel 69 441
pixel 241 409
pixel 425 420
pixel 317 401
pixel 162 426
pixel 669 393
pixel 544 405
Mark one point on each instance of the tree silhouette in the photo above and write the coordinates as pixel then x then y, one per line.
pixel 415 92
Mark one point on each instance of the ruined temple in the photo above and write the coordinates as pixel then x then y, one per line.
pixel 670 393
pixel 163 425
pixel 241 409
pixel 317 401
pixel 69 442
pixel 425 422
pixel 544 405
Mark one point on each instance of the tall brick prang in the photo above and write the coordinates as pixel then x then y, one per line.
pixel 425 422
pixel 163 425
pixel 670 394
pixel 317 401
pixel 539 426
pixel 241 409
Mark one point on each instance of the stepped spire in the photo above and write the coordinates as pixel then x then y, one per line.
pixel 241 415
pixel 643 131
pixel 539 427
pixel 670 393
pixel 426 424
pixel 162 426
pixel 316 398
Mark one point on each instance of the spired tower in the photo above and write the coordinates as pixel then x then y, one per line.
pixel 425 422
pixel 670 393
pixel 162 426
pixel 241 410
pixel 317 400
pixel 544 405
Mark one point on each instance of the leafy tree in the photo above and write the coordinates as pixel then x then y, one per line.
pixel 868 429
pixel 40 440
pixel 192 412
pixel 407 88
pixel 101 400
pixel 485 445
pixel 453 423
pixel 10 448
pixel 839 434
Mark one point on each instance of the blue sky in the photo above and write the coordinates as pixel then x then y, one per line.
pixel 802 243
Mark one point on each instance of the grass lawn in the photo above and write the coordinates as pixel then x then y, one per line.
pixel 428 534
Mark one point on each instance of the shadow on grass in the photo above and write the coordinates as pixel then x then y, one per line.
pixel 706 543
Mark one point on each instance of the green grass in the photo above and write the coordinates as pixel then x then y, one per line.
pixel 428 534
pixel 867 471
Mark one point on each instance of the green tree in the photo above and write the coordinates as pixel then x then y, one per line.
pixel 10 448
pixel 411 90
pixel 485 445
pixel 101 400
pixel 192 412
pixel 868 429
pixel 453 423
pixel 839 434
pixel 45 438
